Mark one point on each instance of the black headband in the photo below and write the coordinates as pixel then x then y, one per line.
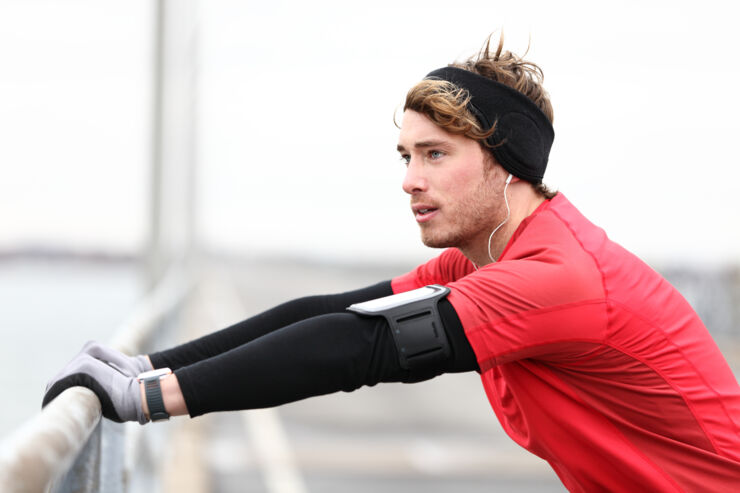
pixel 523 135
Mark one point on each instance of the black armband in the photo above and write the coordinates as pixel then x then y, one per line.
pixel 416 326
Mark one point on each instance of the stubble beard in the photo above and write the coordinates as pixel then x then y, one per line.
pixel 468 222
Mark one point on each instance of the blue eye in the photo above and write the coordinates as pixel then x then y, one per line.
pixel 436 154
pixel 405 159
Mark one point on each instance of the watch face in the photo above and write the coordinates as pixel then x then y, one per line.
pixel 159 372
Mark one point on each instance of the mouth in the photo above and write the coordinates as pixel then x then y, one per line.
pixel 424 213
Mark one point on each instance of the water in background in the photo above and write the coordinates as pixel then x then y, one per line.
pixel 48 309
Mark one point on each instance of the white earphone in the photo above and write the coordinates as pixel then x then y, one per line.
pixel 508 214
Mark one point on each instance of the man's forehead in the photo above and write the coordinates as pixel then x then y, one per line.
pixel 417 130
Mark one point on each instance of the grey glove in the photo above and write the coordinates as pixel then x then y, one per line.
pixel 129 365
pixel 119 394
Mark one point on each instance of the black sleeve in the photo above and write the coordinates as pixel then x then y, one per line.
pixel 252 328
pixel 316 356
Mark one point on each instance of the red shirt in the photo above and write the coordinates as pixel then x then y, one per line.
pixel 592 361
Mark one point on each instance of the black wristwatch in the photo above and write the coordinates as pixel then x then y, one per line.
pixel 153 393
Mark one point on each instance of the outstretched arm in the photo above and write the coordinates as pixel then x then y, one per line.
pixel 320 355
pixel 314 356
pixel 264 323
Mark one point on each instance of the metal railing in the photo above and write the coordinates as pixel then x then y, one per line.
pixel 67 447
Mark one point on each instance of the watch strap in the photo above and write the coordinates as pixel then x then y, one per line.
pixel 154 400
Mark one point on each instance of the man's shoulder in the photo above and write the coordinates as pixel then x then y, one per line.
pixel 556 233
pixel 586 232
pixel 562 236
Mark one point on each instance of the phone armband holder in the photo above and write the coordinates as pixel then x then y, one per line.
pixel 415 324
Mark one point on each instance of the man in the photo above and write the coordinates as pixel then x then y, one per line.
pixel 589 358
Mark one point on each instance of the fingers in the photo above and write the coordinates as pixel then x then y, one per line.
pixel 130 365
pixel 88 346
pixel 82 371
pixel 125 364
pixel 119 394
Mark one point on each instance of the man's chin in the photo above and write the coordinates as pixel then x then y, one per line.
pixel 435 241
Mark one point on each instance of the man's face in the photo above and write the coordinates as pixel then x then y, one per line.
pixel 456 194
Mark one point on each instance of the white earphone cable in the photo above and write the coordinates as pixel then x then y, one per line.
pixel 508 214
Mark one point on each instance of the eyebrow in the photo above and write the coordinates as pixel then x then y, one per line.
pixel 423 144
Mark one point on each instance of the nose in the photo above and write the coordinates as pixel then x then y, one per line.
pixel 414 181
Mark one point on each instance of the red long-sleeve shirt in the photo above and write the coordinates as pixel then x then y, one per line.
pixel 592 361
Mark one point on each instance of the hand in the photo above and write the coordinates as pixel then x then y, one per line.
pixel 119 394
pixel 128 365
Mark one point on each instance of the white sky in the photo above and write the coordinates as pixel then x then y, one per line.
pixel 297 144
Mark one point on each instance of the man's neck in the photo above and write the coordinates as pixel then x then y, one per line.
pixel 523 201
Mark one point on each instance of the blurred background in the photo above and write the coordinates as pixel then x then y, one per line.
pixel 256 140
